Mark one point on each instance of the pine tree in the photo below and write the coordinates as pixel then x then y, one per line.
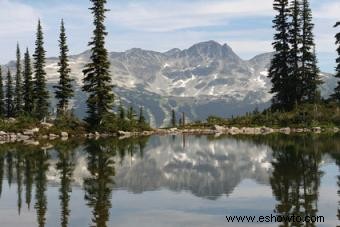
pixel 121 111
pixel 40 90
pixel 97 80
pixel 28 92
pixel 279 69
pixel 336 94
pixel 309 69
pixel 131 115
pixel 173 118
pixel 18 85
pixel 2 102
pixel 294 59
pixel 64 91
pixel 141 119
pixel 9 96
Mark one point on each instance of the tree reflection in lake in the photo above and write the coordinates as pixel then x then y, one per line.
pixel 65 166
pixel 206 167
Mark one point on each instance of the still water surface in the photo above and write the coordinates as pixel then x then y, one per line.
pixel 170 181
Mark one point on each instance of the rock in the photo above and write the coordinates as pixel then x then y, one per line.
pixel 64 134
pixel 234 130
pixel 219 128
pixel 46 125
pixel 173 129
pixel 147 133
pixel 97 134
pixel 31 142
pixel 11 120
pixel 123 134
pixel 298 130
pixel 28 132
pixel 336 130
pixel 53 136
pixel 35 130
pixel 265 130
pixel 2 133
pixel 285 130
pixel 22 137
pixel 316 129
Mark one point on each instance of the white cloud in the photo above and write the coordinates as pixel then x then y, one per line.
pixel 251 46
pixel 330 10
pixel 168 16
pixel 16 18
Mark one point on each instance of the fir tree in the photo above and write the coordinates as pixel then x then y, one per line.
pixel 141 119
pixel 173 118
pixel 28 92
pixel 9 96
pixel 294 59
pixel 279 69
pixel 309 70
pixel 40 90
pixel 121 111
pixel 2 103
pixel 131 115
pixel 18 85
pixel 336 94
pixel 97 80
pixel 64 91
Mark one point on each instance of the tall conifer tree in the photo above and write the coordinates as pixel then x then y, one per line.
pixel 336 94
pixel 2 102
pixel 18 85
pixel 28 93
pixel 279 69
pixel 309 69
pixel 9 95
pixel 64 91
pixel 40 90
pixel 97 80
pixel 294 60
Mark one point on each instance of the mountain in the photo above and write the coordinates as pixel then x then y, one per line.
pixel 207 168
pixel 205 79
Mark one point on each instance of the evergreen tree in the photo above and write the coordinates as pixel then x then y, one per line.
pixel 41 187
pixel 9 96
pixel 40 90
pixel 279 69
pixel 19 171
pixel 336 94
pixel 97 80
pixel 121 111
pixel 99 185
pixel 28 92
pixel 141 119
pixel 29 176
pixel 2 166
pixel 309 70
pixel 64 91
pixel 131 115
pixel 183 119
pixel 2 103
pixel 173 118
pixel 18 85
pixel 65 167
pixel 294 59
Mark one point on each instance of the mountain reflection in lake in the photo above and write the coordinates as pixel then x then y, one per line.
pixel 170 181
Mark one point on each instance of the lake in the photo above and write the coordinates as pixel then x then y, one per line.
pixel 170 181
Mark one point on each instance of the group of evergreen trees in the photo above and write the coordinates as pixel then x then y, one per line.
pixel 30 96
pixel 336 94
pixel 294 71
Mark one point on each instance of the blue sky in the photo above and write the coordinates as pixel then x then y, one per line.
pixel 160 25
